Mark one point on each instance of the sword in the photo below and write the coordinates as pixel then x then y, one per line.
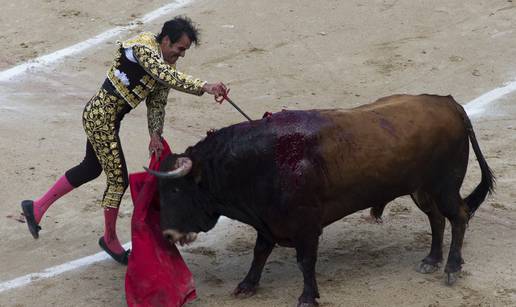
pixel 238 109
pixel 220 99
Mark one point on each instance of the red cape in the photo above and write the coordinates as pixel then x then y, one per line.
pixel 156 274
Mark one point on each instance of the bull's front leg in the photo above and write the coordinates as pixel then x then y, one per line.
pixel 262 250
pixel 306 249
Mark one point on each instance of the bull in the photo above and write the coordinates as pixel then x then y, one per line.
pixel 293 173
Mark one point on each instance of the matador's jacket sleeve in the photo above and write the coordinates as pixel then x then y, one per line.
pixel 156 102
pixel 166 74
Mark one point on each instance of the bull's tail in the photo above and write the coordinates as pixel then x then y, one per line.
pixel 486 185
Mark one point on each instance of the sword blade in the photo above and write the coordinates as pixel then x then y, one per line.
pixel 238 109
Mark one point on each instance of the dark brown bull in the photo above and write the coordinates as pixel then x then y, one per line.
pixel 292 174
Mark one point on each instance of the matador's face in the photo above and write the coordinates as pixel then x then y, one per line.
pixel 172 51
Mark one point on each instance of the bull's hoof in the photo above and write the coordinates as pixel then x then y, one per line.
pixel 244 290
pixel 451 278
pixel 373 220
pixel 452 271
pixel 305 301
pixel 427 268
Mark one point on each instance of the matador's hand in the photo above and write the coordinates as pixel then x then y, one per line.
pixel 216 89
pixel 155 145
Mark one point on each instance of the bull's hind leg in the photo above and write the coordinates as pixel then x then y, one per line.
pixel 453 208
pixel 306 249
pixel 262 250
pixel 431 262
pixel 376 213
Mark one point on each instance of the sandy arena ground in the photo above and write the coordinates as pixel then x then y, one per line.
pixel 292 54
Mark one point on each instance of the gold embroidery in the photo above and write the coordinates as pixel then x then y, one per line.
pixel 165 73
pixel 156 102
pixel 122 89
pixel 99 119
pixel 148 81
pixel 140 91
pixel 146 39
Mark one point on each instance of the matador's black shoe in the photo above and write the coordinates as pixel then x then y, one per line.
pixel 122 258
pixel 28 212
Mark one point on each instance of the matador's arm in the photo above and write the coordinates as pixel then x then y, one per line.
pixel 156 102
pixel 167 74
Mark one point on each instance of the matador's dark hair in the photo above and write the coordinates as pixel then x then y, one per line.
pixel 175 28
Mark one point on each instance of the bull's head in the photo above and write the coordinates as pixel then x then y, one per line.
pixel 185 208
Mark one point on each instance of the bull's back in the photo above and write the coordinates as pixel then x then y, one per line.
pixel 390 147
pixel 389 139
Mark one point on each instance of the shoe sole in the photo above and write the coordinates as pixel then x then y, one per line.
pixel 120 258
pixel 28 212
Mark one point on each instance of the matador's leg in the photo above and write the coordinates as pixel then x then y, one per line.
pixel 101 122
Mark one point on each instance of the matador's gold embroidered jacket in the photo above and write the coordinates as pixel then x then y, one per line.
pixel 145 75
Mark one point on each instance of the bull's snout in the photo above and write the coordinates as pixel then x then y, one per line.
pixel 174 236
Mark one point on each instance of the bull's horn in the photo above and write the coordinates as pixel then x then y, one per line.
pixel 184 165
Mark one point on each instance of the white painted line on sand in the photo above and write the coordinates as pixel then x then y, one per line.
pixel 56 270
pixel 56 56
pixel 477 106
pixel 88 260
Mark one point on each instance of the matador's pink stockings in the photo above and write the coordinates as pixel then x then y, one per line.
pixel 110 237
pixel 63 186
pixel 60 188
